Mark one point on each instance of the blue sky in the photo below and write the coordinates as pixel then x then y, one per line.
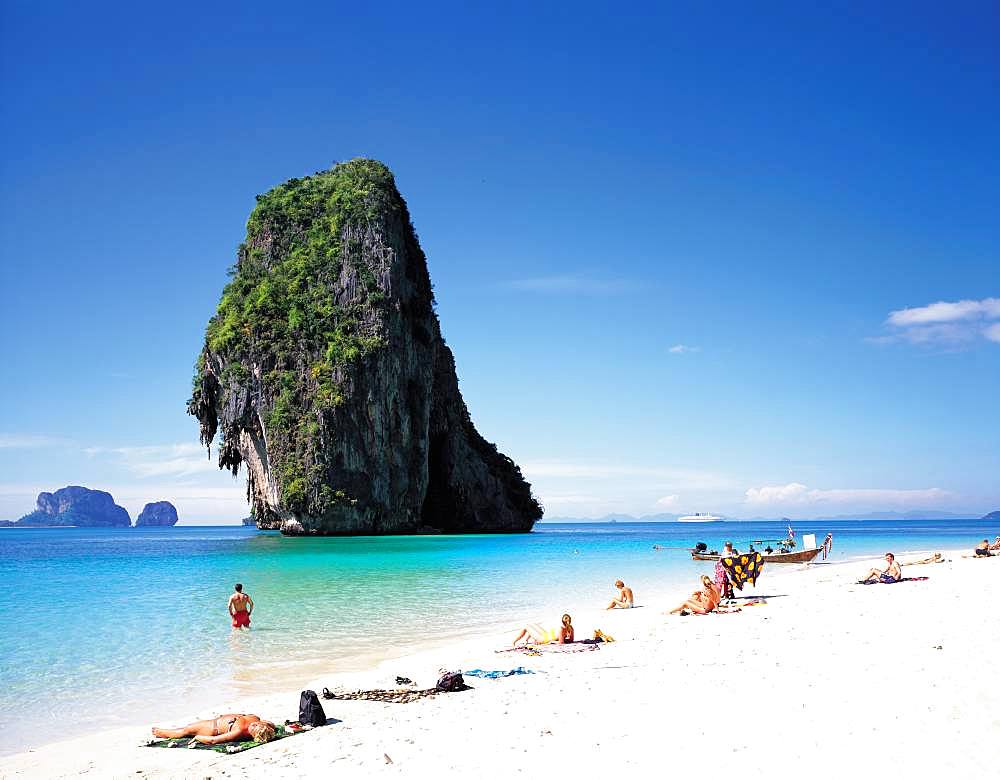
pixel 688 259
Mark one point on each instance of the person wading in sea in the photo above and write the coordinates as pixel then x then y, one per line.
pixel 240 607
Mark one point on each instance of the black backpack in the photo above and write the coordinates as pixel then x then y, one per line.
pixel 310 710
pixel 451 681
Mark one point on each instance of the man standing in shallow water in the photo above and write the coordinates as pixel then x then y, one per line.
pixel 240 607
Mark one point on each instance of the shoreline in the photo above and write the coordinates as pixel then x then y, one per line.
pixel 632 628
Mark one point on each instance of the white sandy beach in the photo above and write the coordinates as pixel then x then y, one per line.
pixel 828 679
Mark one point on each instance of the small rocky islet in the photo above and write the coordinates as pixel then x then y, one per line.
pixel 157 514
pixel 325 374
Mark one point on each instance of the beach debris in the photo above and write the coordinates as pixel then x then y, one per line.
pixel 387 759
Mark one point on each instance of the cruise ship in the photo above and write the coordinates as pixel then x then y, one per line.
pixel 698 517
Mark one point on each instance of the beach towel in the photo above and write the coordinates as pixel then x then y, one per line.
pixel 280 732
pixel 496 673
pixel 904 579
pixel 575 647
pixel 741 569
pixel 398 696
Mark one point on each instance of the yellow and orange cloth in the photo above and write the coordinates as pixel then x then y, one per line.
pixel 743 568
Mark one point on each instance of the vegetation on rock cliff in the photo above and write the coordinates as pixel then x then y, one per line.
pixel 283 294
pixel 329 278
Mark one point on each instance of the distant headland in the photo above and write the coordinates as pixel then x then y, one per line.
pixel 326 373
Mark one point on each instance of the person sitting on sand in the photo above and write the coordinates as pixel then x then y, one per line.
pixel 624 600
pixel 534 634
pixel 996 544
pixel 890 574
pixel 233 727
pixel 983 549
pixel 702 601
pixel 240 607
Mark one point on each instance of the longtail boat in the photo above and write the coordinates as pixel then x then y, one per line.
pixel 797 556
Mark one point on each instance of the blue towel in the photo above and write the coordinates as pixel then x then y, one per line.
pixel 497 672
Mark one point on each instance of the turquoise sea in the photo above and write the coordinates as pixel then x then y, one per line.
pixel 103 628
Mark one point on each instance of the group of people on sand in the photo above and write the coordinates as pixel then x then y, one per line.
pixel 536 634
pixel 985 550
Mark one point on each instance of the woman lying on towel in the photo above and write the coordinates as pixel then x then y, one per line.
pixel 702 601
pixel 225 728
pixel 534 634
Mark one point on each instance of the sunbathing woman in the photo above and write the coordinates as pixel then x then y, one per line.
pixel 702 601
pixel 225 728
pixel 534 634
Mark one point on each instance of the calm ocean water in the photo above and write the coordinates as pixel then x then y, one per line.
pixel 113 627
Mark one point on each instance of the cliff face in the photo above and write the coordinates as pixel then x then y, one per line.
pixel 78 506
pixel 157 513
pixel 324 373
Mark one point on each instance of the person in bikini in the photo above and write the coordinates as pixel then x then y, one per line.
pixel 625 599
pixel 233 727
pixel 240 607
pixel 887 576
pixel 996 544
pixel 702 601
pixel 534 634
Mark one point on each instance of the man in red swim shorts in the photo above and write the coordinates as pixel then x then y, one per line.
pixel 240 607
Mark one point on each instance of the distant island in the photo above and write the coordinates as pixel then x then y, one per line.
pixel 158 513
pixel 992 516
pixel 325 372
pixel 77 506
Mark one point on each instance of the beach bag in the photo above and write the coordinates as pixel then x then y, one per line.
pixel 451 681
pixel 310 710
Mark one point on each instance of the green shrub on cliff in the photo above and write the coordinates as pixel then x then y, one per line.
pixel 282 295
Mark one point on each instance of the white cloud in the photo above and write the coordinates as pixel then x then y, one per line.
pixel 944 322
pixel 23 441
pixel 798 495
pixel 574 284
pixel 177 460
pixel 943 311
pixel 682 349
pixel 593 488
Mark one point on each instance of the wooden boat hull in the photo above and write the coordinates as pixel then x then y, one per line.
pixel 798 556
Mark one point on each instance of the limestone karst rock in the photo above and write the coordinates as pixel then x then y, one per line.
pixel 324 372
pixel 157 513
pixel 77 506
